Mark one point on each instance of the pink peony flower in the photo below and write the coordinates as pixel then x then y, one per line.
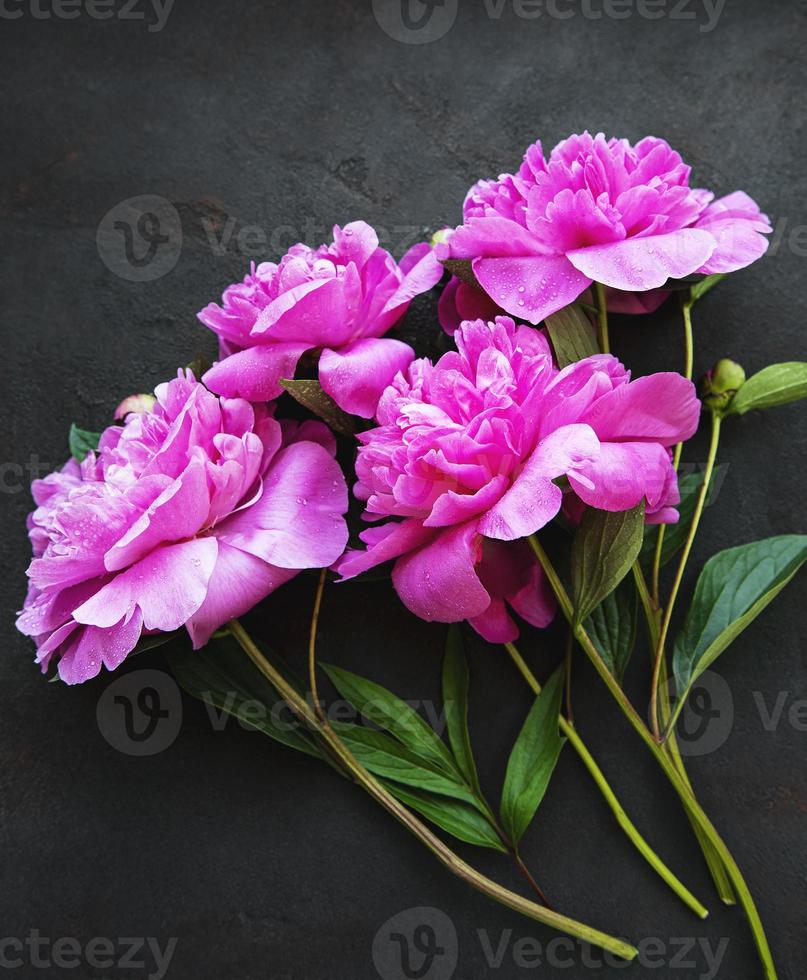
pixel 188 515
pixel 339 299
pixel 467 452
pixel 598 210
pixel 460 301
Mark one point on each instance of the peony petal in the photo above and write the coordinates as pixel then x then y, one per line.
pixel 179 512
pixel 297 521
pixel 438 582
pixel 384 543
pixel 355 376
pixel 739 243
pixel 618 301
pixel 533 499
pixel 83 657
pixel 495 624
pixel 645 263
pixel 356 242
pixel 311 430
pixel 489 238
pixel 624 473
pixel 456 508
pixel 421 272
pixel 532 287
pixel 168 585
pixel 459 301
pixel 662 408
pixel 255 373
pixel 319 313
pixel 510 570
pixel 238 582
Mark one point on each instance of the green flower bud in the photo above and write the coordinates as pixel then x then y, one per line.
pixel 441 236
pixel 134 403
pixel 721 384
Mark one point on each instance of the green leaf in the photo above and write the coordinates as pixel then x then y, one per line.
pixel 572 335
pixel 389 712
pixel 383 755
pixel 604 548
pixel 458 819
pixel 532 760
pixel 455 704
pixel 82 442
pixel 777 384
pixel 310 395
pixel 462 269
pixel 612 627
pixel 222 675
pixel 676 534
pixel 700 289
pixel 733 589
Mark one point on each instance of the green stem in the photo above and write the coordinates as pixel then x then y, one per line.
pixel 444 854
pixel 667 766
pixel 689 356
pixel 312 646
pixel 602 319
pixel 622 818
pixel 649 604
pixel 679 575
pixel 652 616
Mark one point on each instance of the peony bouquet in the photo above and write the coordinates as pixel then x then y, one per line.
pixel 203 499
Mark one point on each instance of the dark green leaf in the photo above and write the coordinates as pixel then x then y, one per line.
pixel 82 442
pixel 221 674
pixel 383 755
pixel 572 335
pixel 700 289
pixel 455 705
pixel 532 760
pixel 458 819
pixel 733 589
pixel 777 384
pixel 389 712
pixel 462 269
pixel 310 395
pixel 675 534
pixel 612 627
pixel 200 365
pixel 604 548
pixel 150 641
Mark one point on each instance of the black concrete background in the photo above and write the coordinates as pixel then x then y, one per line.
pixel 260 863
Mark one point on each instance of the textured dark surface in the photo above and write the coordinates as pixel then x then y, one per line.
pixel 290 117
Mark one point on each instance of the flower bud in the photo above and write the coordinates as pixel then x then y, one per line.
pixel 441 236
pixel 722 383
pixel 137 404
